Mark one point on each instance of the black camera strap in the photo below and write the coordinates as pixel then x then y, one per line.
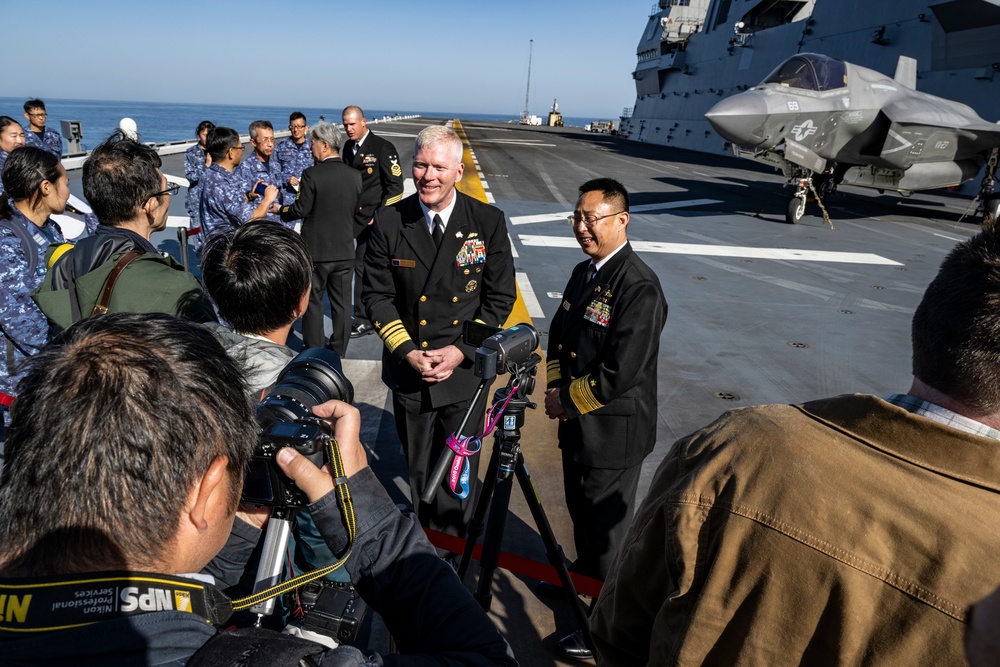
pixel 60 603
pixel 350 522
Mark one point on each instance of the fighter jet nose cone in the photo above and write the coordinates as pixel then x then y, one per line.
pixel 740 118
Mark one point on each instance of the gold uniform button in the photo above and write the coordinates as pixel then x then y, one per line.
pixel 572 355
pixel 559 347
pixel 423 344
pixel 423 323
pixel 454 299
pixel 479 270
pixel 466 272
pixel 454 323
pixel 422 299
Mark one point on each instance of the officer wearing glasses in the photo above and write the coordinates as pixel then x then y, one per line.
pixel 603 345
pixel 224 205
pixel 294 154
pixel 118 269
pixel 35 132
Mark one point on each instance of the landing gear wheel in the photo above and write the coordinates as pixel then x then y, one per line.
pixel 796 209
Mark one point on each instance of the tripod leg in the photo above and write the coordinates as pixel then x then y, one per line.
pixel 553 551
pixel 493 541
pixel 475 529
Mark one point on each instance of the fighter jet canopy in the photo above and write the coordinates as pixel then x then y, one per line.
pixel 810 71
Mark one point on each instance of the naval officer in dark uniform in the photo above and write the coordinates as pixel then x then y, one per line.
pixel 381 185
pixel 434 260
pixel 601 379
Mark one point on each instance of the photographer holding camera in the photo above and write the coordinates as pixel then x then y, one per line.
pixel 130 440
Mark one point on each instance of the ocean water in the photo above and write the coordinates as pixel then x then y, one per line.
pixel 162 122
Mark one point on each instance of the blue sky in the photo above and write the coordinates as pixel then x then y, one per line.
pixel 429 56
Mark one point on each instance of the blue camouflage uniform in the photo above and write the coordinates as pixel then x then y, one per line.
pixel 3 158
pixel 223 204
pixel 194 169
pixel 293 159
pixel 20 317
pixel 51 140
pixel 251 170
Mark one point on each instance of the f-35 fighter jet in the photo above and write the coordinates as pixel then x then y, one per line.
pixel 824 122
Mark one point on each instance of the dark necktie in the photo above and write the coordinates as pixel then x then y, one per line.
pixel 438 232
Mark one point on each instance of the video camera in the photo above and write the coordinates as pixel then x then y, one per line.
pixel 499 350
pixel 286 420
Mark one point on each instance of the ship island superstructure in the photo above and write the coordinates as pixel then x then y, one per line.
pixel 693 53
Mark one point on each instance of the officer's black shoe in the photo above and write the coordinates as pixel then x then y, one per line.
pixel 363 329
pixel 572 646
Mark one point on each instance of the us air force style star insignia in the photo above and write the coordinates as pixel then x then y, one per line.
pixel 471 285
pixel 593 383
pixel 396 169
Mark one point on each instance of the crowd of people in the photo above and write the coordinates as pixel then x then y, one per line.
pixel 856 529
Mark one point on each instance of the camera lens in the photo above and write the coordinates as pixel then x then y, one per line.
pixel 313 377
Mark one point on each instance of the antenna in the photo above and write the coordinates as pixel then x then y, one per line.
pixel 527 88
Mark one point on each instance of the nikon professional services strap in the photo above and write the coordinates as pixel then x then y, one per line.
pixel 47 604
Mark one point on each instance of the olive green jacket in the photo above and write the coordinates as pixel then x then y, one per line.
pixel 153 283
pixel 845 531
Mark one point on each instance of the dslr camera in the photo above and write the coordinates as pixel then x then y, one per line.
pixel 285 419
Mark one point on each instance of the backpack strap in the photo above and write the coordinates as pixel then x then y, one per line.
pixel 101 307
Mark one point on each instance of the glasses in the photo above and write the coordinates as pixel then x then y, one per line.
pixel 589 223
pixel 172 189
pixel 237 147
pixel 297 127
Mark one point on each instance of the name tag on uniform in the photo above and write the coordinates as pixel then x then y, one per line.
pixel 405 263
pixel 473 251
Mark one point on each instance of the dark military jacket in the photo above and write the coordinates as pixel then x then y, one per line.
pixel 603 344
pixel 418 296
pixel 381 176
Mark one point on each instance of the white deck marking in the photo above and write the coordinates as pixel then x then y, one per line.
pixel 528 294
pixel 490 199
pixel 643 208
pixel 790 254
pixel 513 250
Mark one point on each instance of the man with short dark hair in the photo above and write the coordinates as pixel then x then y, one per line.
pixel 259 280
pixel 604 341
pixel 119 526
pixel 377 160
pixel 223 205
pixel 36 133
pixel 118 269
pixel 434 260
pixel 847 530
pixel 294 155
pixel 328 195
pixel 259 167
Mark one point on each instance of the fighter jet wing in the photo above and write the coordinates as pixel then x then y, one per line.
pixel 937 112
pixel 935 131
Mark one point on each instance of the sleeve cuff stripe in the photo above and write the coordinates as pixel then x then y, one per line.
pixel 392 200
pixel 392 342
pixel 582 396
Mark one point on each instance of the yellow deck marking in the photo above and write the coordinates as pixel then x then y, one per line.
pixel 472 185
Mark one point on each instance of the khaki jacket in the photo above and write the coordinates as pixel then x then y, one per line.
pixel 845 531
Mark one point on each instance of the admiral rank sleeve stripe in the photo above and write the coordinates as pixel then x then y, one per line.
pixel 582 394
pixel 393 334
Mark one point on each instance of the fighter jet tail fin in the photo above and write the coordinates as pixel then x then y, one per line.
pixel 906 72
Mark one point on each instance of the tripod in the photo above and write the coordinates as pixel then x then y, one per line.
pixel 507 460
